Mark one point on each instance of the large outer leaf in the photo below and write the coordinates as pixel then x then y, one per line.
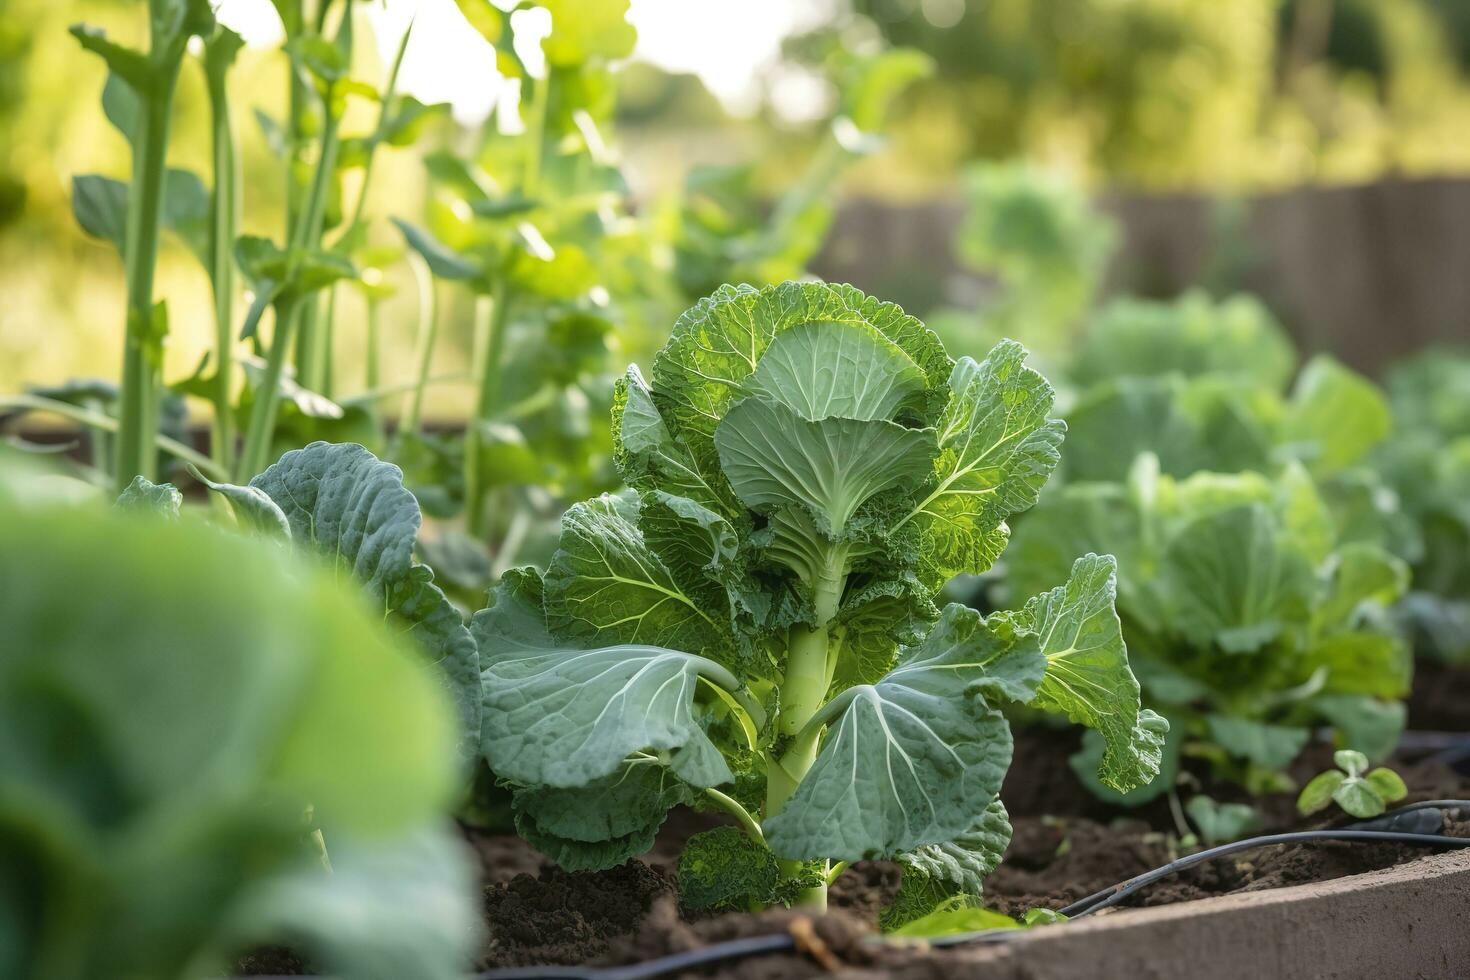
pixel 775 459
pixel 347 505
pixel 912 759
pixel 851 371
pixel 566 718
pixel 718 343
pixel 996 449
pixel 604 586
pixel 1087 674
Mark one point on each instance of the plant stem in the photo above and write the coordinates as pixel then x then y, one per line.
pixel 141 349
pixel 803 692
pixel 224 219
pixel 308 234
pixel 733 807
pixel 413 413
pixel 254 455
pixel 490 337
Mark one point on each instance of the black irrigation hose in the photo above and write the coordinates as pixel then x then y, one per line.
pixel 776 942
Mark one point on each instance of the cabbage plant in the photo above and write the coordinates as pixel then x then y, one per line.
pixel 752 624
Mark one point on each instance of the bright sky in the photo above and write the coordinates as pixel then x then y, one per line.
pixel 729 44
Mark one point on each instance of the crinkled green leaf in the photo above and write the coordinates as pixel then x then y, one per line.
pixel 650 458
pixel 252 507
pixel 1087 674
pixel 1087 762
pixel 345 504
pixel 724 869
pixel 142 496
pixel 716 346
pixel 910 760
pixel 996 449
pixel 604 586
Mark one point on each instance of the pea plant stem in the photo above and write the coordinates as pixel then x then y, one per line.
pixel 255 454
pixel 141 346
pixel 490 338
pixel 224 219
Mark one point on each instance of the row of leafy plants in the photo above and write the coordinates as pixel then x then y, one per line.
pixel 754 624
pixel 1288 535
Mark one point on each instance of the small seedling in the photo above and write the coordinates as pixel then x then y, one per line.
pixel 1357 790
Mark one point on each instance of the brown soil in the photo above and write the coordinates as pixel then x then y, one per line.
pixel 631 913
pixel 1440 700
pixel 537 914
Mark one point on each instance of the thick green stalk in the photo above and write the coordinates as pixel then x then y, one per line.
pixel 255 455
pixel 488 341
pixel 141 349
pixel 224 219
pixel 804 687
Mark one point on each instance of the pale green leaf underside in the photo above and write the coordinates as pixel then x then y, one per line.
pixel 1087 674
pixel 837 370
pixel 565 718
pixel 345 504
pixel 774 459
pixel 912 759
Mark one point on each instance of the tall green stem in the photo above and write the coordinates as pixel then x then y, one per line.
pixel 804 689
pixel 141 346
pixel 255 455
pixel 223 220
pixel 488 341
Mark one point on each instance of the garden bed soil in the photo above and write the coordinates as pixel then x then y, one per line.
pixel 538 914
pixel 1440 699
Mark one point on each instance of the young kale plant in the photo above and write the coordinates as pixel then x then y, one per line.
pixel 752 626
pixel 1360 791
